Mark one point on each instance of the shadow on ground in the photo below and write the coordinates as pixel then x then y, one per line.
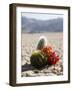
pixel 28 67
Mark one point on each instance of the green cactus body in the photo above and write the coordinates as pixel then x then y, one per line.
pixel 38 59
pixel 42 42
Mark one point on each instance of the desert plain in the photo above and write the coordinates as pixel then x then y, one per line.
pixel 29 44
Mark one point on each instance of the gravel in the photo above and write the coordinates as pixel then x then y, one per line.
pixel 28 45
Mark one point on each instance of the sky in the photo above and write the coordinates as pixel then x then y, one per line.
pixel 43 16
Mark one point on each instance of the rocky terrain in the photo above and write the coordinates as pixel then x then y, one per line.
pixel 29 44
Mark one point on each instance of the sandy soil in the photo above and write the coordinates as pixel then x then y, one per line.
pixel 28 45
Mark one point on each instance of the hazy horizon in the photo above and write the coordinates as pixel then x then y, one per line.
pixel 41 16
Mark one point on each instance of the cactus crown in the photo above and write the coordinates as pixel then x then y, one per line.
pixel 42 42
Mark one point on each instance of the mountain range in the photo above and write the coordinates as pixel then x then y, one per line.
pixel 30 25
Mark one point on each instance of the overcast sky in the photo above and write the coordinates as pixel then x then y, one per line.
pixel 42 16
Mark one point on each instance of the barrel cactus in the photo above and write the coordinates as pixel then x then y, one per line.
pixel 43 55
pixel 38 59
pixel 42 42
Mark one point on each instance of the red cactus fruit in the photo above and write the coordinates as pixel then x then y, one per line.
pixel 47 50
pixel 53 58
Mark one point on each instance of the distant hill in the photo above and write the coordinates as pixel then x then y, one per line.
pixel 30 25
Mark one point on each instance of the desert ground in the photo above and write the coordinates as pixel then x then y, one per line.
pixel 29 44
